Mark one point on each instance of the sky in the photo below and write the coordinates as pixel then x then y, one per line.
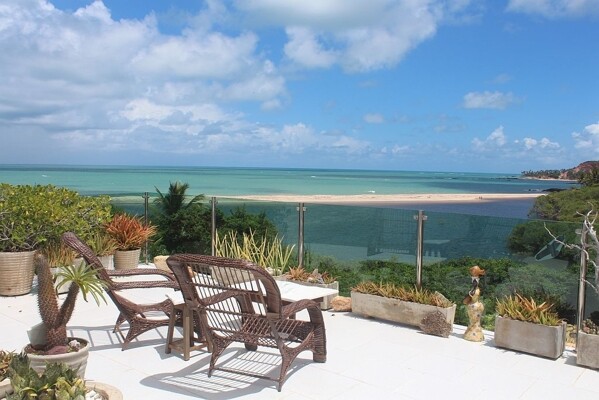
pixel 414 85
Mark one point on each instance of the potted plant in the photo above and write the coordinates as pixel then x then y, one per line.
pixel 55 345
pixel 58 257
pixel 271 254
pixel 104 246
pixel 587 344
pixel 314 278
pixel 31 216
pixel 130 234
pixel 525 325
pixel 587 338
pixel 5 386
pixel 58 381
pixel 406 305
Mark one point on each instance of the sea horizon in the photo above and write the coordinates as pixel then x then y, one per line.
pixel 125 180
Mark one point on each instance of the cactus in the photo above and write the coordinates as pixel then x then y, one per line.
pixel 55 317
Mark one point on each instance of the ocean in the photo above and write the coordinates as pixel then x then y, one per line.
pixel 223 182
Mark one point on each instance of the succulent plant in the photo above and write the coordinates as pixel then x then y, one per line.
pixel 404 293
pixel 301 275
pixel 54 316
pixel 57 382
pixel 527 309
pixel 588 326
pixel 5 358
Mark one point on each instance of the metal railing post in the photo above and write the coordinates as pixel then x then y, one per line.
pixel 419 246
pixel 300 235
pixel 582 281
pixel 213 203
pixel 146 197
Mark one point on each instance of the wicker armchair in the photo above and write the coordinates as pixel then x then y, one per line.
pixel 133 313
pixel 237 301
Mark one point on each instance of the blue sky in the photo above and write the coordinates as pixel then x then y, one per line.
pixel 457 85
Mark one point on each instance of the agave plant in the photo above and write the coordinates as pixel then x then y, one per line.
pixel 57 382
pixel 527 309
pixel 301 275
pixel 404 293
pixel 5 358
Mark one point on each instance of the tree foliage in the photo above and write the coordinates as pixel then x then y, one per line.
pixel 590 178
pixel 174 200
pixel 567 205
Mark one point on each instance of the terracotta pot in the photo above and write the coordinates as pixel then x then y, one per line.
pixel 16 273
pixel 126 259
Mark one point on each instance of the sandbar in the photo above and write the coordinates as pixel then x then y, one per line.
pixel 392 198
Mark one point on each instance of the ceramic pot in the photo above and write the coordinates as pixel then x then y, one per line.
pixel 16 273
pixel 126 259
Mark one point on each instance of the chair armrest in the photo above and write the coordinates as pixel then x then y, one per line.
pixel 300 305
pixel 115 273
pixel 144 285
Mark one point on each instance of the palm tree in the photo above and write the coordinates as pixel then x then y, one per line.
pixel 173 201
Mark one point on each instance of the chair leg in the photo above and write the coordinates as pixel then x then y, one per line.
pixel 171 329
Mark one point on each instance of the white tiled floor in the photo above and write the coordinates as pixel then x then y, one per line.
pixel 367 359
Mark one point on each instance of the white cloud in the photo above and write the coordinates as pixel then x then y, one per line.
pixel 544 143
pixel 360 35
pixel 495 140
pixel 587 141
pixel 374 118
pixel 82 77
pixel 303 47
pixel 493 100
pixel 556 8
pixel 502 79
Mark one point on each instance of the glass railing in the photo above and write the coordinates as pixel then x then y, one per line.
pixel 381 244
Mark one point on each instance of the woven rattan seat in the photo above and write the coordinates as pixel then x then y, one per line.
pixel 137 315
pixel 237 301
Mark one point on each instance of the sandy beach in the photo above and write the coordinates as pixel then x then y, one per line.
pixel 428 198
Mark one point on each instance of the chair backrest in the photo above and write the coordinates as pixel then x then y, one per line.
pixel 73 241
pixel 207 280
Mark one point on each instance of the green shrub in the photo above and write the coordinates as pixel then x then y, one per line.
pixel 33 215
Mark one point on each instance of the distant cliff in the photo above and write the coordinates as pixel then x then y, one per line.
pixel 566 174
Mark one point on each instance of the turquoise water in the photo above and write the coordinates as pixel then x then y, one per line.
pixel 247 181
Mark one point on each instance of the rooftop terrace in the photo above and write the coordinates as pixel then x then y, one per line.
pixel 367 359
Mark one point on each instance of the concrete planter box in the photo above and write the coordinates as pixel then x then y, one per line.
pixel 396 310
pixel 587 350
pixel 326 303
pixel 540 340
